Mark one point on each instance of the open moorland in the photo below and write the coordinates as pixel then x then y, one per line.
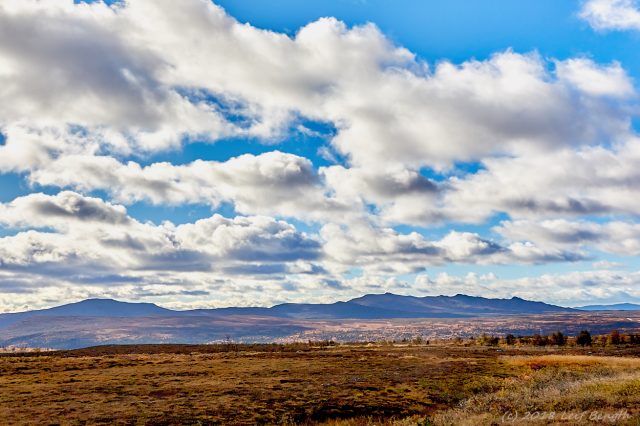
pixel 324 383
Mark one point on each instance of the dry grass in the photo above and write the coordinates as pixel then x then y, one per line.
pixel 574 361
pixel 334 386
pixel 557 389
pixel 232 388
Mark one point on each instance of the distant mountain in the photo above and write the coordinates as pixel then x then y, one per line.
pixel 91 308
pixel 388 305
pixel 372 306
pixel 459 305
pixel 104 321
pixel 616 307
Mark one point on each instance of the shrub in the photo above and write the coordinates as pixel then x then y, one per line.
pixel 615 338
pixel 558 339
pixel 487 340
pixel 538 340
pixel 634 339
pixel 600 340
pixel 524 340
pixel 584 338
pixel 510 339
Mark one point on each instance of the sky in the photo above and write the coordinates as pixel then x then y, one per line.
pixel 255 152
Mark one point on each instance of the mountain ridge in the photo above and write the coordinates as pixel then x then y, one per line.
pixel 93 307
pixel 369 306
pixel 612 307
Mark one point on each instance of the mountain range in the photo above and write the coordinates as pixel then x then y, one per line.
pixel 105 321
pixel 372 306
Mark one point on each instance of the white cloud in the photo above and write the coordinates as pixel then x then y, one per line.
pixel 91 238
pixel 588 77
pixel 95 77
pixel 88 239
pixel 378 96
pixel 377 186
pixel 616 237
pixel 272 183
pixel 599 181
pixel 612 14
pixel 60 211
pixel 165 57
pixel 385 251
pixel 250 239
pixel 590 181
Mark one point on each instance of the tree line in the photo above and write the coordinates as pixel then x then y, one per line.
pixel 584 338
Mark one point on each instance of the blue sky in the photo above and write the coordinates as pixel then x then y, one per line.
pixel 457 30
pixel 418 147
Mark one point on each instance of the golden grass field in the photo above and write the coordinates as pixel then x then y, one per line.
pixel 334 385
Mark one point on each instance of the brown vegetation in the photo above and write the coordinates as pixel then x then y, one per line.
pixel 317 383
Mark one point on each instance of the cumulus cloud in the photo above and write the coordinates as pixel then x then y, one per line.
pixel 612 14
pixel 60 211
pixel 599 181
pixel 273 183
pixel 384 250
pixel 165 59
pixel 610 80
pixel 95 78
pixel 90 237
pixel 376 185
pixel 254 239
pixel 377 95
pixel 613 237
